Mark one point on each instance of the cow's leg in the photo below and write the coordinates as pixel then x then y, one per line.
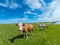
pixel 24 34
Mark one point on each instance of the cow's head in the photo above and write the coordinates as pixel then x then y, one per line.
pixel 20 26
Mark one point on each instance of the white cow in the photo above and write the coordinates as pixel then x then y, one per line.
pixel 42 26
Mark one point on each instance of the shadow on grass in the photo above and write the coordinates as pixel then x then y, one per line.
pixel 16 37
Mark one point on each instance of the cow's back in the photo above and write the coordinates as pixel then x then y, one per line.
pixel 28 27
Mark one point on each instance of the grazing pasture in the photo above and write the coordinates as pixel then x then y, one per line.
pixel 9 35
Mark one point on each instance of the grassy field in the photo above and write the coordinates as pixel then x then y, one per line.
pixel 9 35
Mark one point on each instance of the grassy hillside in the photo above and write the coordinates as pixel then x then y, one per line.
pixel 9 35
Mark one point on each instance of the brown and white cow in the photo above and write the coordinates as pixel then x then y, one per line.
pixel 24 28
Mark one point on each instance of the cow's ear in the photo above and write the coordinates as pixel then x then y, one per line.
pixel 23 24
pixel 16 24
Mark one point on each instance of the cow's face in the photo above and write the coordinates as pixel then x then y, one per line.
pixel 20 26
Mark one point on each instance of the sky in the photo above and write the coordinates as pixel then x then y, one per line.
pixel 28 11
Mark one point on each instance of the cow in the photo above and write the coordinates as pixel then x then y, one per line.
pixel 25 28
pixel 42 26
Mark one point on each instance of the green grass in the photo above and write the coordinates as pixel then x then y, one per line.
pixel 49 36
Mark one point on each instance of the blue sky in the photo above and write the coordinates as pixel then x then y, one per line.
pixel 14 11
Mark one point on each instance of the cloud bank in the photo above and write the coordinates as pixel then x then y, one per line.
pixel 50 11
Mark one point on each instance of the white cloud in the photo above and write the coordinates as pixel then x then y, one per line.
pixel 56 13
pixel 4 4
pixel 13 5
pixel 29 12
pixel 35 4
pixel 52 13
